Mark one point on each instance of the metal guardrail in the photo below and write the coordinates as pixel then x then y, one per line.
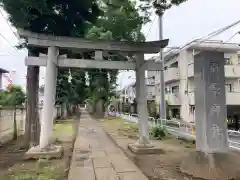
pixel 181 128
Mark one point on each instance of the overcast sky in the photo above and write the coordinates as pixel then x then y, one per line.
pixel 193 19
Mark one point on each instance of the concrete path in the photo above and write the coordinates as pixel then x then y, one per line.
pixel 96 157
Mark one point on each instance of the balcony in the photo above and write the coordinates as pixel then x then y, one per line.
pixel 232 98
pixel 231 71
pixel 173 99
pixel 171 74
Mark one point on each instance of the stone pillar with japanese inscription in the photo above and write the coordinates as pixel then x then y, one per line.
pixel 210 102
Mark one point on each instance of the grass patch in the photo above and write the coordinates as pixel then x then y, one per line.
pixel 62 129
pixel 43 172
pixel 14 167
pixel 123 128
pixel 131 130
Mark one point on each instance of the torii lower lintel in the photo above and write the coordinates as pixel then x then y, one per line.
pixel 98 64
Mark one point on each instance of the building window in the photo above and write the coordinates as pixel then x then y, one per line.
pixel 228 88
pixel 166 90
pixel 174 65
pixel 175 89
pixel 192 109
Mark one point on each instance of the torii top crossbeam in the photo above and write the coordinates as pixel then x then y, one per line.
pixel 41 40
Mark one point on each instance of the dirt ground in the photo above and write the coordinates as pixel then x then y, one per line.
pixel 14 167
pixel 163 166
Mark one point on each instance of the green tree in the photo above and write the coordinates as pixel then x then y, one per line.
pixel 120 21
pixel 161 6
pixel 56 17
pixel 71 92
pixel 13 97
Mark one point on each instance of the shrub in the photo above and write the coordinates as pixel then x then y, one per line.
pixel 158 132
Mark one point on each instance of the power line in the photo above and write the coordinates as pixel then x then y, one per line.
pixel 9 25
pixel 11 31
pixel 212 34
pixel 225 28
pixel 8 42
pixel 232 36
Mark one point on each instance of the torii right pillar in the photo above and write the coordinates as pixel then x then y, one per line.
pixel 213 158
pixel 143 145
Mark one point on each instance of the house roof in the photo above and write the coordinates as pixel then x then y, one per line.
pixel 201 45
pixel 3 71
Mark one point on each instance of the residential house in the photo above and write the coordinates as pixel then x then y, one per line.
pixel 2 71
pixel 179 78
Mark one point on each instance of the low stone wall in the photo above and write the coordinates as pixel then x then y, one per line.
pixel 7 122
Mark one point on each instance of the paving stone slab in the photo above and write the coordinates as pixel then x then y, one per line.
pixel 81 143
pixel 113 150
pixel 81 173
pixel 121 163
pixel 101 162
pixel 98 153
pixel 132 176
pixel 106 174
pixel 82 159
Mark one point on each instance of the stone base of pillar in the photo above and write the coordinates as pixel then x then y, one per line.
pixel 215 166
pixel 145 149
pixel 52 152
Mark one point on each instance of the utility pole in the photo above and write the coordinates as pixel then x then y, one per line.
pixel 161 59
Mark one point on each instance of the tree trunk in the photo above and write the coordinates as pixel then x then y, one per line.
pixel 15 134
pixel 32 126
pixel 99 109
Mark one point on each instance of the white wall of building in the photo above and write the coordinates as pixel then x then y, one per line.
pixel 183 77
pixel 129 91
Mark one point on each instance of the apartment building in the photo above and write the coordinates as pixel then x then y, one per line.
pixel 128 93
pixel 179 78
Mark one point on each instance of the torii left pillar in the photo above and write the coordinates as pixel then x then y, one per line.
pixel 45 148
pixel 49 97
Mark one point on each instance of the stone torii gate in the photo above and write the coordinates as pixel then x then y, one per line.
pixel 52 61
